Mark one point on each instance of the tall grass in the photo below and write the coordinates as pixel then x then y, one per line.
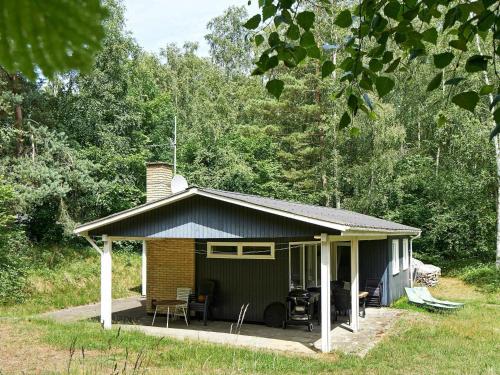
pixel 62 277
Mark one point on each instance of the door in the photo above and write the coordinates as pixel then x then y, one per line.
pixel 304 265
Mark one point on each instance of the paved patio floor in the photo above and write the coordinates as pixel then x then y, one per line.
pixel 130 314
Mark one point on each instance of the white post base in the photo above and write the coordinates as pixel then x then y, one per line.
pixel 326 344
pixel 354 285
pixel 106 298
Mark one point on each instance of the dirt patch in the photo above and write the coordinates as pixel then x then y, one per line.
pixel 22 352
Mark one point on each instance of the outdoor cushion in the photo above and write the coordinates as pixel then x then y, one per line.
pixel 414 298
pixel 424 293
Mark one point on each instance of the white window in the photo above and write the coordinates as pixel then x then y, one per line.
pixel 406 262
pixel 395 257
pixel 241 250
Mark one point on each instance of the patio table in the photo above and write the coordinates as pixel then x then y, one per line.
pixel 168 303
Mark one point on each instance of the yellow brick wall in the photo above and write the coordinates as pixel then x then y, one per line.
pixel 170 265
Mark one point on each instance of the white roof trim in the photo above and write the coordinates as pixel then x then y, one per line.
pixel 274 211
pixel 113 219
pixel 194 191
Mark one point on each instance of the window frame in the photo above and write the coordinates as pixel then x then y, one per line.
pixel 395 259
pixel 239 253
pixel 406 248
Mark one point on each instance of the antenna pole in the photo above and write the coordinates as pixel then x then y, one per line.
pixel 175 144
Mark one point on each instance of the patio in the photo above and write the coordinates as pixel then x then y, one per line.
pixel 130 314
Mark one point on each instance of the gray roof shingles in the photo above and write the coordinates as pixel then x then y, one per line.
pixel 328 214
pixel 331 215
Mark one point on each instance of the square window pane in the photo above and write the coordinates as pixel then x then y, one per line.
pixel 264 250
pixel 225 249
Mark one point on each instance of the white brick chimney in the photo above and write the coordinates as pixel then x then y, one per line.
pixel 158 178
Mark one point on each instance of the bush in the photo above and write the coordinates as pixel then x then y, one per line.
pixel 13 265
pixel 483 275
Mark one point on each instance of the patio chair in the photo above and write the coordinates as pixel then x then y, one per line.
pixel 374 287
pixel 181 310
pixel 201 301
pixel 415 299
pixel 342 304
pixel 424 293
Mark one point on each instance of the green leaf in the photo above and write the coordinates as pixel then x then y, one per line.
pixel 393 65
pixel 441 120
pixel 299 54
pixel 343 19
pixel 435 82
pixel 305 19
pixel 50 37
pixel 466 100
pixel 275 87
pixel 345 120
pixel 352 102
pixel 486 90
pixel 430 35
pixel 476 63
pixel 307 39
pixel 253 22
pixel 375 65
pixel 392 9
pixel 259 39
pixel 268 11
pixel 442 60
pixel 459 44
pixel 384 85
pixel 454 81
pixel 327 68
pixel 293 32
pixel 313 52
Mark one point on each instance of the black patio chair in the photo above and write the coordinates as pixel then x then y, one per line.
pixel 201 301
pixel 374 287
pixel 342 304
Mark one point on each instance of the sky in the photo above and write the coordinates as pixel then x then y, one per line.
pixel 155 23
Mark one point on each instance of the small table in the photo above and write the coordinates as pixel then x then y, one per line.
pixel 168 303
pixel 362 297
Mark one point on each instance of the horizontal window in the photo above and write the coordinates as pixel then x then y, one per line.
pixel 240 250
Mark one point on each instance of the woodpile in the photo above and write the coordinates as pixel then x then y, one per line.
pixel 425 274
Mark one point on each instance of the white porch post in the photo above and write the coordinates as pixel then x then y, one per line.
pixel 354 284
pixel 144 268
pixel 106 283
pixel 326 344
pixel 411 267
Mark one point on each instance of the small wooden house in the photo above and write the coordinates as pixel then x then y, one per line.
pixel 255 249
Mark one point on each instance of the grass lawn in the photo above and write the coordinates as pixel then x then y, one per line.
pixel 71 277
pixel 466 342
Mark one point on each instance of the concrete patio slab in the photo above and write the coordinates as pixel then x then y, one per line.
pixel 130 314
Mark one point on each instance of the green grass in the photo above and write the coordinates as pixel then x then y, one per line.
pixel 465 342
pixel 64 277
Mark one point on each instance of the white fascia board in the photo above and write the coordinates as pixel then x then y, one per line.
pixel 359 231
pixel 274 211
pixel 134 212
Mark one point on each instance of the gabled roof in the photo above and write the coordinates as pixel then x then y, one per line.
pixel 328 217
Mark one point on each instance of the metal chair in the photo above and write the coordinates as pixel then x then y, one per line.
pixel 374 287
pixel 181 310
pixel 201 301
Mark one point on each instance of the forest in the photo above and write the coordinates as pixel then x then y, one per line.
pixel 73 148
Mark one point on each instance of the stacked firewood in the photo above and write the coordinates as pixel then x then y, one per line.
pixel 425 274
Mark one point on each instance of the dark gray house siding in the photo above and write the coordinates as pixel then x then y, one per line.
pixel 399 281
pixel 240 281
pixel 261 282
pixel 373 264
pixel 201 217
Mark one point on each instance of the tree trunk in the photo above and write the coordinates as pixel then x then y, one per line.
pixel 497 159
pixel 18 113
